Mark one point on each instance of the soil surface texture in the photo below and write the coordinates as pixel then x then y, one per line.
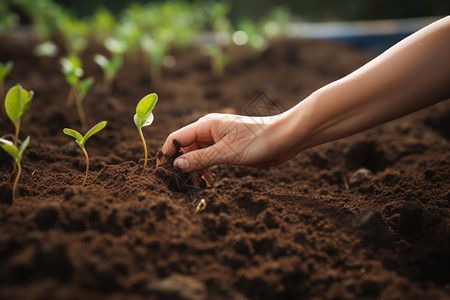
pixel 365 217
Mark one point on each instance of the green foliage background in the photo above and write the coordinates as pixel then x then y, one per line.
pixel 310 10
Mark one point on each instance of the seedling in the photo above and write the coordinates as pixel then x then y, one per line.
pixel 156 51
pixel 72 69
pixel 81 140
pixel 144 117
pixel 17 101
pixel 219 58
pixel 110 68
pixel 5 68
pixel 82 88
pixel 16 154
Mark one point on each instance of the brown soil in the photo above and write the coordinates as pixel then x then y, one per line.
pixel 363 217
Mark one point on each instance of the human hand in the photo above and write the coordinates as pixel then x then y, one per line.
pixel 225 139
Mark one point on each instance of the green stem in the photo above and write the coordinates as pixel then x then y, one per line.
pixel 81 113
pixel 19 172
pixel 16 135
pixel 87 164
pixel 16 138
pixel 145 146
pixel 71 97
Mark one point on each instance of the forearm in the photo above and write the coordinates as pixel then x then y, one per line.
pixel 410 76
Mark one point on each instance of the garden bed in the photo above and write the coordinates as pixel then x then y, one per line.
pixel 317 227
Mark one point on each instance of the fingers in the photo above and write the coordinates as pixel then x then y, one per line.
pixel 201 159
pixel 198 133
pixel 182 137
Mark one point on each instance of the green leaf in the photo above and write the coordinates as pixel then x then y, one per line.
pixel 17 101
pixel 23 147
pixel 73 133
pixel 9 148
pixel 93 131
pixel 144 116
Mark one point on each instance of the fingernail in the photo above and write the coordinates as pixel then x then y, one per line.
pixel 181 163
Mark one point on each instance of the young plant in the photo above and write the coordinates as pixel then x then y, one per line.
pixel 144 117
pixel 219 58
pixel 16 154
pixel 82 88
pixel 5 68
pixel 81 140
pixel 110 68
pixel 17 101
pixel 72 69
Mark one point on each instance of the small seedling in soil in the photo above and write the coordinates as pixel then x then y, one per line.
pixel 110 68
pixel 81 140
pixel 219 58
pixel 144 117
pixel 17 101
pixel 72 70
pixel 5 68
pixel 16 154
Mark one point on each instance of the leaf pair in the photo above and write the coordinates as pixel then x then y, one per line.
pixel 80 139
pixel 144 115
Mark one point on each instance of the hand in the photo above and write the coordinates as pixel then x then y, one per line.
pixel 225 139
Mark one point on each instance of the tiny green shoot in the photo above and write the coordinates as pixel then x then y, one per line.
pixel 82 88
pixel 17 101
pixel 72 69
pixel 5 68
pixel 110 68
pixel 144 117
pixel 81 140
pixel 219 58
pixel 16 154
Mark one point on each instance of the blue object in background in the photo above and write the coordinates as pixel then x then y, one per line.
pixel 372 36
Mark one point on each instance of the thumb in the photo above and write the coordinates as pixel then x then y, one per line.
pixel 200 159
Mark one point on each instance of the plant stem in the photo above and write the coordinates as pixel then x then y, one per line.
pixel 145 146
pixel 19 172
pixel 81 113
pixel 70 97
pixel 87 164
pixel 16 135
pixel 16 138
pixel 107 84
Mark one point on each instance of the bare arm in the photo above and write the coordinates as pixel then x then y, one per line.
pixel 411 75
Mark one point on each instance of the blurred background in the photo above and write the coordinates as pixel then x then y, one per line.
pixel 314 11
pixel 372 25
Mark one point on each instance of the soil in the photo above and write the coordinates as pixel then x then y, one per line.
pixel 365 217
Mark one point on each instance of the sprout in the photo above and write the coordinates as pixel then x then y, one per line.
pixel 110 68
pixel 5 68
pixel 144 117
pixel 16 154
pixel 72 69
pixel 81 140
pixel 156 51
pixel 219 58
pixel 17 101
